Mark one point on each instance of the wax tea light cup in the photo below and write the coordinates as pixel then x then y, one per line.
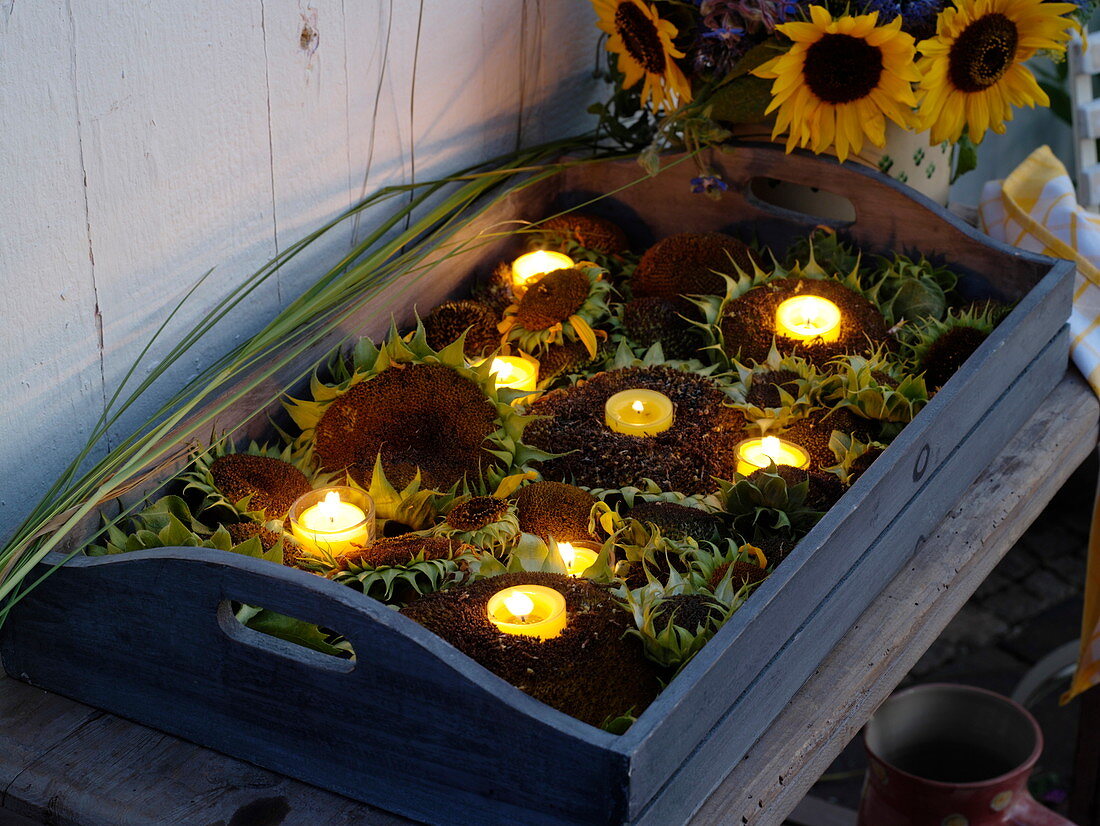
pixel 808 318
pixel 529 267
pixel 331 521
pixel 528 610
pixel 754 454
pixel 577 557
pixel 639 412
pixel 515 372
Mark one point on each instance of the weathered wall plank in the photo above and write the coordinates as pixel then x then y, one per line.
pixel 145 143
pixel 51 385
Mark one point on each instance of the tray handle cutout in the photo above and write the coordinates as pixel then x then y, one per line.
pixel 813 203
pixel 285 636
pixel 876 206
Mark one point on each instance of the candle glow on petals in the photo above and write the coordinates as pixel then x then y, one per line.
pixel 577 559
pixel 515 373
pixel 528 267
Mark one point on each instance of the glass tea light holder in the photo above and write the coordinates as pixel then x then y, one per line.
pixel 332 521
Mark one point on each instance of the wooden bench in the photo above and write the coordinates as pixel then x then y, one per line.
pixel 65 763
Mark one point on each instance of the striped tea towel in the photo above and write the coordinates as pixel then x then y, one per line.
pixel 1035 208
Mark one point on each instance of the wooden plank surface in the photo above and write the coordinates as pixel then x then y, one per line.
pixel 909 614
pixel 125 767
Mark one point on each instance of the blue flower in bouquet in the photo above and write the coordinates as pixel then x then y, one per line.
pixel 747 16
pixel 729 28
pixel 708 184
pixel 918 16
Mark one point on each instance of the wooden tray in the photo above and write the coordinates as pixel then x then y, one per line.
pixel 416 727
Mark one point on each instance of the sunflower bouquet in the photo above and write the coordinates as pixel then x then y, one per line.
pixel 824 75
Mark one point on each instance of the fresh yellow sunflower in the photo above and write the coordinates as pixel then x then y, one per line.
pixel 643 42
pixel 972 69
pixel 840 81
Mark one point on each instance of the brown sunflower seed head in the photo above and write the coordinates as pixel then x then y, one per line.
pixel 689 611
pixel 477 512
pixel 685 264
pixel 589 231
pixel 273 484
pixel 552 299
pixel 449 320
pixel 397 551
pixel 417 416
pixel 555 509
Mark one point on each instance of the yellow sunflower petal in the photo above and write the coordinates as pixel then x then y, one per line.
pixel 986 102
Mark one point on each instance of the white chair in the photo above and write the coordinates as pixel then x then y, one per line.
pixel 1085 107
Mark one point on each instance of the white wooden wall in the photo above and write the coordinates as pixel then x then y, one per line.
pixel 142 143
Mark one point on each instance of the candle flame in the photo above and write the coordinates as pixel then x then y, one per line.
pixel 329 506
pixel 519 604
pixel 568 553
pixel 770 447
pixel 638 407
pixel 502 370
pixel 534 264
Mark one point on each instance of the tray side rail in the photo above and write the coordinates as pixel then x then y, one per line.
pixel 408 706
pixel 759 701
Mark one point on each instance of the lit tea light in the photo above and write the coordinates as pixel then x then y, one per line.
pixel 528 267
pixel 515 372
pixel 577 558
pixel 332 521
pixel 808 318
pixel 639 412
pixel 528 610
pixel 754 454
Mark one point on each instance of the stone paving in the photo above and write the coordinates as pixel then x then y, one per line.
pixel 1029 605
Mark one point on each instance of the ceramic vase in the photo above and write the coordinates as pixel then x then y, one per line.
pixel 951 755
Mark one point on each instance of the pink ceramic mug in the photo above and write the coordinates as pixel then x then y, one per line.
pixel 952 755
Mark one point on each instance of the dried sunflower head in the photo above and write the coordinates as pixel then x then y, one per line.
pixel 397 568
pixel 727 570
pixel 676 618
pixel 446 323
pixel 876 388
pixel 938 348
pixel 256 483
pixel 581 231
pixel 562 306
pixel 489 523
pixel 671 322
pixel 678 521
pixel 555 509
pixel 777 391
pixel 689 263
pixel 421 411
